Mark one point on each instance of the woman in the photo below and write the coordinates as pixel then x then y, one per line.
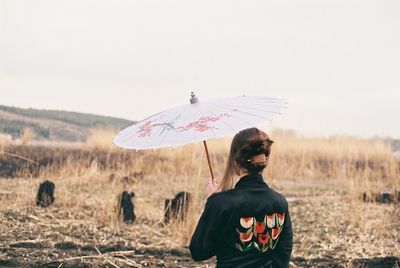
pixel 249 225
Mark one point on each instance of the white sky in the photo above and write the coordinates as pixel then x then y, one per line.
pixel 337 62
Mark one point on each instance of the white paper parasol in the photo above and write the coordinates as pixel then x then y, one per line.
pixel 199 121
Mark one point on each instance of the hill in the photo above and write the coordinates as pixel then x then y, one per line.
pixel 53 124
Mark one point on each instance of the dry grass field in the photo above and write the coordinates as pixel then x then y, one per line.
pixel 323 179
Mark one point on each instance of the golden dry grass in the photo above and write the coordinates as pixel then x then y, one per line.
pixel 365 163
pixel 5 140
pixel 26 135
pixel 101 138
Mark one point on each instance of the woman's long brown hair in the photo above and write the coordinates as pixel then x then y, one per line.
pixel 241 140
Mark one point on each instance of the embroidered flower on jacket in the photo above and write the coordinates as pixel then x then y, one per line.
pixel 246 222
pixel 263 239
pixel 262 235
pixel 244 237
pixel 276 232
pixel 270 220
pixel 260 227
pixel 281 218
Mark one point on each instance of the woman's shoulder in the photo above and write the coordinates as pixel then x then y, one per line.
pixel 278 195
pixel 223 199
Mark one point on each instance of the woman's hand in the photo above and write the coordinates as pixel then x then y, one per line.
pixel 212 187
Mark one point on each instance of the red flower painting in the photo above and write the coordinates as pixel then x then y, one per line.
pixel 203 123
pixel 145 129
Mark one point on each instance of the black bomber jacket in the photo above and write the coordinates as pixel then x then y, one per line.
pixel 247 226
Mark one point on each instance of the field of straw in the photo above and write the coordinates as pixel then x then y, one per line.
pixel 323 179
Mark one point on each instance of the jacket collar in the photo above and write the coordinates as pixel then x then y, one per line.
pixel 251 181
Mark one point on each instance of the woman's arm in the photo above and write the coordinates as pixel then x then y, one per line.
pixel 203 244
pixel 285 243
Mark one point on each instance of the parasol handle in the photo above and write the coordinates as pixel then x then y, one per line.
pixel 208 159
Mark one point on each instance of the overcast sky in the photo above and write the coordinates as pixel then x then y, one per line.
pixel 337 62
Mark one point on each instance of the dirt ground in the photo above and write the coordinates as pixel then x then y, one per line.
pixel 330 230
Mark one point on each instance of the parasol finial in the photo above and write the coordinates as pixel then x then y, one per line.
pixel 193 98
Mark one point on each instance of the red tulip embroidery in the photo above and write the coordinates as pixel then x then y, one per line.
pixel 260 235
pixel 263 239
pixel 244 237
pixel 275 233
pixel 281 218
pixel 246 222
pixel 260 226
pixel 270 220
